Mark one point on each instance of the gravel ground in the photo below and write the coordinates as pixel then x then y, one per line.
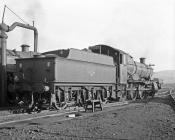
pixel 150 119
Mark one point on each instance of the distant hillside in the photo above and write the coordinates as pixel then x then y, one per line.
pixel 168 76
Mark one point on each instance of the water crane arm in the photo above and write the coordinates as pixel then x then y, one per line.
pixel 7 28
pixel 13 26
pixel 27 26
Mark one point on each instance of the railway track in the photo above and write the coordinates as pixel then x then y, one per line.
pixel 172 94
pixel 169 92
pixel 16 118
pixel 164 92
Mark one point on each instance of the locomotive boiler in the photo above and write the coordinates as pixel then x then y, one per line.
pixel 138 70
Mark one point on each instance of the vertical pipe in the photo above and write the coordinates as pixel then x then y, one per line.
pixel 3 86
pixel 3 14
pixel 35 41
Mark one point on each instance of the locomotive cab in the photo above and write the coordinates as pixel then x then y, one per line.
pixel 119 58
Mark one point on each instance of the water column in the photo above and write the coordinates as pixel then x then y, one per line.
pixel 3 67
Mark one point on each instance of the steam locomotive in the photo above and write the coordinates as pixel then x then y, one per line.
pixel 99 72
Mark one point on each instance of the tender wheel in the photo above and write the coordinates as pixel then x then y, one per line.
pixel 123 96
pixel 142 94
pixel 133 95
pixel 152 94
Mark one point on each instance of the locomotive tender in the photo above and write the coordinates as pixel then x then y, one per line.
pixel 99 72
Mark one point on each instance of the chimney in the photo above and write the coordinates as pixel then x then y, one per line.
pixel 142 60
pixel 25 48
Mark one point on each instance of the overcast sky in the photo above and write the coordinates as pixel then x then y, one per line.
pixel 142 28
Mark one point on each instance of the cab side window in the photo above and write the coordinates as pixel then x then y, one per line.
pixel 121 59
pixel 124 59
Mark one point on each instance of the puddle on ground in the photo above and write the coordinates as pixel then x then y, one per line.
pixel 32 123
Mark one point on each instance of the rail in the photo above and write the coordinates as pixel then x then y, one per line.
pixel 172 94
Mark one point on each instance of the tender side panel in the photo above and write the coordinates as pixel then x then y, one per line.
pixel 24 70
pixel 75 54
pixel 75 71
pixel 44 70
pixel 35 69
